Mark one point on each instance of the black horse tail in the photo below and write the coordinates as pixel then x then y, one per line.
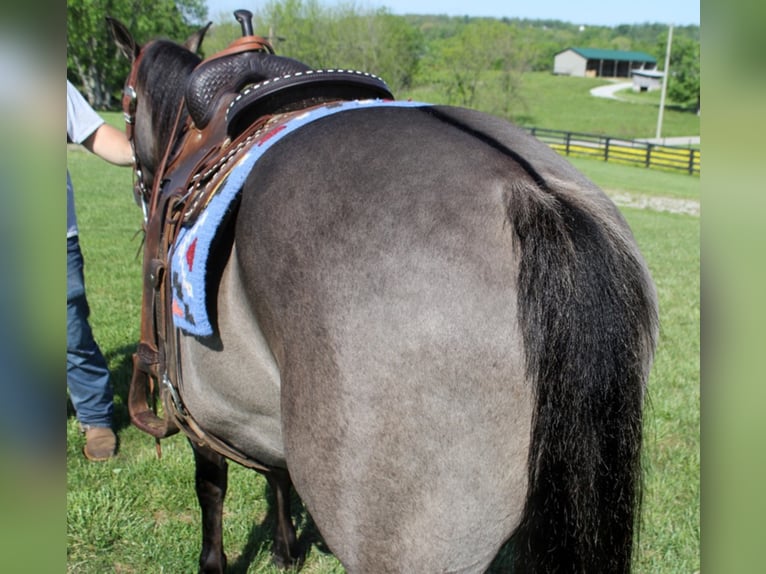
pixel 588 314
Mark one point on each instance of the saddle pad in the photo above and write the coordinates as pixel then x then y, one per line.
pixel 189 255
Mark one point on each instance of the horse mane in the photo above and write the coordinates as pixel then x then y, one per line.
pixel 166 67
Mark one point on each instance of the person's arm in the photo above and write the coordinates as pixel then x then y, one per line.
pixel 110 144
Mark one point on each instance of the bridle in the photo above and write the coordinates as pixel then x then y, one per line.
pixel 141 193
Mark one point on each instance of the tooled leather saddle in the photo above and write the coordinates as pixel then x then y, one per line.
pixel 230 108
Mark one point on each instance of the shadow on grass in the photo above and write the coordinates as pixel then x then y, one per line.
pixel 683 108
pixel 122 357
pixel 261 535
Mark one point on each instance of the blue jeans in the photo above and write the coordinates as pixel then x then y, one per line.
pixel 87 374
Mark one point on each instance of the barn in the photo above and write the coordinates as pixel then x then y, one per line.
pixel 594 62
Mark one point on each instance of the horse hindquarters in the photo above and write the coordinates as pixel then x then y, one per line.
pixel 387 294
pixel 428 304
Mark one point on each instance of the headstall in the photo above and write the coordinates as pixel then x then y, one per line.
pixel 129 104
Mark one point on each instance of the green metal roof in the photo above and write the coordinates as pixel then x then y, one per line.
pixel 597 54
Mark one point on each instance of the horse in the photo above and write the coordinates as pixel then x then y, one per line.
pixel 426 323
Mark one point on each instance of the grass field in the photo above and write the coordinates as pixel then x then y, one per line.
pixel 138 514
pixel 564 103
pixel 614 177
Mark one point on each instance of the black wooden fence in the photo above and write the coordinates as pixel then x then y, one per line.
pixel 635 152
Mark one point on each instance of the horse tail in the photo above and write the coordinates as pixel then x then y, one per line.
pixel 587 311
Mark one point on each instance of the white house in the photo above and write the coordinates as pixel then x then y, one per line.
pixel 647 80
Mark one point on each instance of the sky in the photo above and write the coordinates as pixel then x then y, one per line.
pixel 593 12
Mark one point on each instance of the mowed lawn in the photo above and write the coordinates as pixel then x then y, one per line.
pixel 138 513
pixel 545 100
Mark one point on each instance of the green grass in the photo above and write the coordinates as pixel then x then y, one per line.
pixel 616 178
pixel 138 514
pixel 117 119
pixel 564 103
pixel 671 536
pixel 653 98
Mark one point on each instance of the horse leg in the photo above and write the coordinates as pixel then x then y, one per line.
pixel 210 481
pixel 285 550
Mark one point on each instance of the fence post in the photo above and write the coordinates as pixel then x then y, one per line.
pixel 692 151
pixel 606 149
pixel 568 139
pixel 649 147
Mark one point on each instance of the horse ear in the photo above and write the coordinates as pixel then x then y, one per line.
pixel 194 41
pixel 123 38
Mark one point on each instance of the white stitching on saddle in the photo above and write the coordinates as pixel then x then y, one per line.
pixel 253 87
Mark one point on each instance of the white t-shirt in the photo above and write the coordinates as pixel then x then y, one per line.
pixel 81 121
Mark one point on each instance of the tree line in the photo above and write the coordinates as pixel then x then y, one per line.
pixel 452 54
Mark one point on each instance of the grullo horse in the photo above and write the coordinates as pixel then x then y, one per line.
pixel 424 320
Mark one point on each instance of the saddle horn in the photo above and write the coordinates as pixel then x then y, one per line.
pixel 245 19
pixel 248 59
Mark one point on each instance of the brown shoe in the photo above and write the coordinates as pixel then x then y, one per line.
pixel 100 443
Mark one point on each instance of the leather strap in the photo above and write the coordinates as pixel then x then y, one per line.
pixel 147 360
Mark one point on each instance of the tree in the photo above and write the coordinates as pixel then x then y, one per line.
pixel 684 80
pixel 482 49
pixel 343 36
pixel 93 61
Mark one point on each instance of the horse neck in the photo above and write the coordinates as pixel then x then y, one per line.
pixel 164 75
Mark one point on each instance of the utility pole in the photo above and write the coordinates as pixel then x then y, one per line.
pixel 273 38
pixel 665 78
